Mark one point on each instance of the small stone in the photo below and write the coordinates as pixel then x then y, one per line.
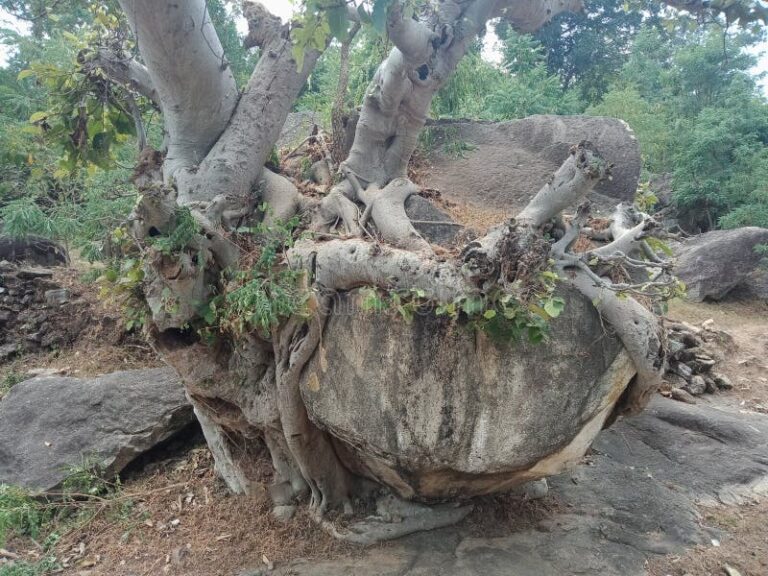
pixel 708 324
pixel 45 372
pixel 711 386
pixel 6 351
pixel 675 347
pixel 690 340
pixel 722 382
pixel 283 513
pixel 535 490
pixel 33 273
pixel 683 370
pixel 682 396
pixel 57 297
pixel 697 386
pixel 702 364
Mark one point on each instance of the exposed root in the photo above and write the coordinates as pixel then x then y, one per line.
pixel 281 196
pixel 386 207
pixel 312 451
pixel 338 213
pixel 396 518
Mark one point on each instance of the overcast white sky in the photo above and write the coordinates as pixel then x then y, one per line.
pixel 284 8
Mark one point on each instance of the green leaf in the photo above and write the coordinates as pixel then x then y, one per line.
pixel 25 74
pixel 539 311
pixel 337 21
pixel 554 306
pixel 38 116
pixel 297 52
pixel 472 305
pixel 535 334
pixel 489 314
pixel 379 15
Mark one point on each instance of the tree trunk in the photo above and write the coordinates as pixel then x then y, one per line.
pixel 255 384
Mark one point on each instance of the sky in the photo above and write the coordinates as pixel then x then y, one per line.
pixel 284 9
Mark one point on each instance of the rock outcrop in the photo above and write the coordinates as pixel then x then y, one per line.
pixel 501 165
pixel 639 497
pixel 36 311
pixel 713 263
pixel 32 250
pixel 437 411
pixel 50 424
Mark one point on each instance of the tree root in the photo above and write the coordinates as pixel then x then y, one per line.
pixel 396 518
pixel 312 451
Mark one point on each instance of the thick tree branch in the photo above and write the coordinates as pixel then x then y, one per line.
pixel 412 38
pixel 235 162
pixel 638 328
pixel 575 178
pixel 187 67
pixel 528 17
pixel 124 71
pixel 347 264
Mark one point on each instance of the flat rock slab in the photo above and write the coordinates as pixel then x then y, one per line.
pixel 49 424
pixel 636 496
pixel 501 165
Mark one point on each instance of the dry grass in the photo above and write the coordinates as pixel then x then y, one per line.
pixel 184 522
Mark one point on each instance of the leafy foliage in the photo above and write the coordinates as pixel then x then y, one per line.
pixel 20 514
pixel 698 116
pixel 260 296
pixel 508 315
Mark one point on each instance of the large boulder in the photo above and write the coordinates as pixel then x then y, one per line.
pixel 50 424
pixel 639 497
pixel 501 165
pixel 437 411
pixel 756 284
pixel 712 264
pixel 297 127
pixel 32 249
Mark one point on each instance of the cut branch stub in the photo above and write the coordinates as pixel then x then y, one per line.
pixel 576 177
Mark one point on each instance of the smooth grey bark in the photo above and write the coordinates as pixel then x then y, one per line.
pixel 125 71
pixel 396 105
pixel 188 69
pixel 235 162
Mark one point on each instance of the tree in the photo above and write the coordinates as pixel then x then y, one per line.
pixel 699 117
pixel 242 274
pixel 589 47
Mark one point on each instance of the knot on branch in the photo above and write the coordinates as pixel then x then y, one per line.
pixel 148 169
pixel 589 161
pixel 154 212
pixel 263 26
pixel 512 254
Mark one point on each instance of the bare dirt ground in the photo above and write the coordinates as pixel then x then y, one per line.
pixel 103 345
pixel 175 517
pixel 744 550
pixel 743 357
